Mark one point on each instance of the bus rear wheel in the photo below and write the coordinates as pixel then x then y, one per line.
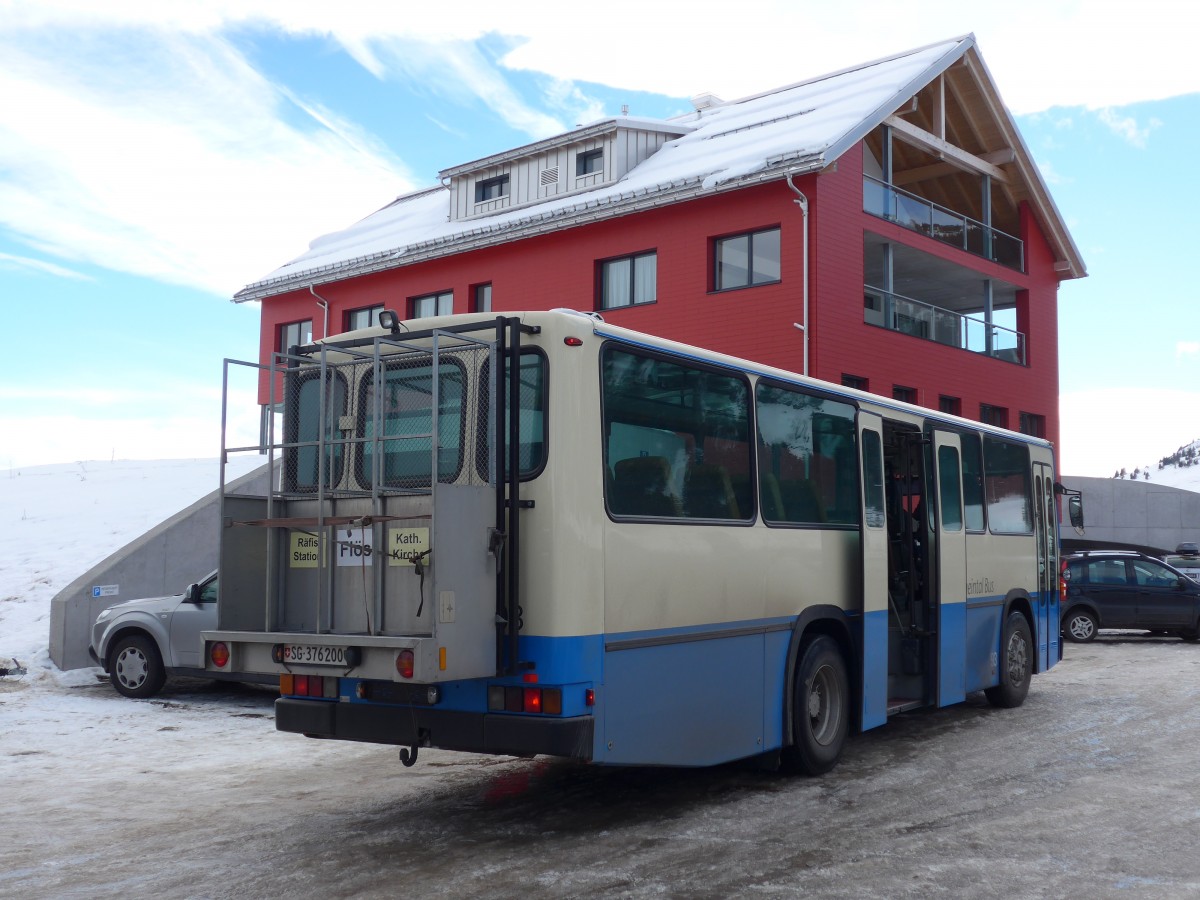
pixel 820 708
pixel 1016 664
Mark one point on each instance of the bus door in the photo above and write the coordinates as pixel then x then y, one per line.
pixel 1045 533
pixel 874 545
pixel 950 551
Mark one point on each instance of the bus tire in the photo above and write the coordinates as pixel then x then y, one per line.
pixel 820 708
pixel 1016 664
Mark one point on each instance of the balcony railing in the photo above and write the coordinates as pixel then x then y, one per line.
pixel 907 316
pixel 920 215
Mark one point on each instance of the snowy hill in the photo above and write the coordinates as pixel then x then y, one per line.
pixel 56 522
pixel 1180 469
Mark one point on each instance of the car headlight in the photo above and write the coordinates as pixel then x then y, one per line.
pixel 104 614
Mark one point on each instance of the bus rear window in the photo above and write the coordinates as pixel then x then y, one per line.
pixel 303 432
pixel 531 418
pixel 676 439
pixel 403 408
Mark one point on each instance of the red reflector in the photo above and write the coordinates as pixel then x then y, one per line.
pixel 405 663
pixel 589 697
pixel 219 655
pixel 529 678
pixel 533 700
pixel 301 685
pixel 573 342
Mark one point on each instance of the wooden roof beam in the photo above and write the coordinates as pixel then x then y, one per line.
pixel 944 150
pixel 937 170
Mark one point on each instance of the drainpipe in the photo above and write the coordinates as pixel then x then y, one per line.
pixel 802 202
pixel 324 304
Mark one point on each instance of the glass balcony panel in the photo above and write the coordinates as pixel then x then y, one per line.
pixel 920 215
pixel 912 213
pixel 1008 251
pixel 948 227
pixel 976 335
pixel 877 199
pixel 932 323
pixel 975 239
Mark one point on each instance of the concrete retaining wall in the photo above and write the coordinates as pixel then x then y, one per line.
pixel 163 561
pixel 1139 515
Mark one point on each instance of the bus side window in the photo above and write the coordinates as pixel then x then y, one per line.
pixel 640 487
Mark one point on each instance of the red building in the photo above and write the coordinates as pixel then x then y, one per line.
pixel 882 227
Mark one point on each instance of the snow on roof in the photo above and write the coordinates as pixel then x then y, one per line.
pixel 799 128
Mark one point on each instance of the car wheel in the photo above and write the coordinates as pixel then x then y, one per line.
pixel 820 708
pixel 1191 635
pixel 1016 664
pixel 136 669
pixel 1080 626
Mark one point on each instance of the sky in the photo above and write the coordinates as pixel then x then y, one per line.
pixel 157 156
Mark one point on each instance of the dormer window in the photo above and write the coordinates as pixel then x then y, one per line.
pixel 589 162
pixel 491 189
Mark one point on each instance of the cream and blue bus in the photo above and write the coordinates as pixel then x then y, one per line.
pixel 541 533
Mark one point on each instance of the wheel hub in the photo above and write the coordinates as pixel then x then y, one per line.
pixel 1018 659
pixel 131 668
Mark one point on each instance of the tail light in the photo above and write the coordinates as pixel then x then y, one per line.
pixel 219 654
pixel 525 699
pixel 324 686
pixel 406 662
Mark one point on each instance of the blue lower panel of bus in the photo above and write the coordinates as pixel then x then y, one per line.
pixel 981 664
pixel 875 669
pixel 693 700
pixel 952 654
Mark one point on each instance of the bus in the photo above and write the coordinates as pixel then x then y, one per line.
pixel 541 533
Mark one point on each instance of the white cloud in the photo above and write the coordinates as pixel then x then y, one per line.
pixel 1049 173
pixel 1127 127
pixel 1098 437
pixel 27 264
pixel 462 72
pixel 169 156
pixel 99 423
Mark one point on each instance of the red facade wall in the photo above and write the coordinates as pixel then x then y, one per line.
pixel 559 270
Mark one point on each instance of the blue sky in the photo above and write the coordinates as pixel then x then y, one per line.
pixel 157 156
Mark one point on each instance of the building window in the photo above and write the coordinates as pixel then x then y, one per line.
pixel 855 381
pixel 993 415
pixel 744 260
pixel 629 281
pixel 441 304
pixel 363 318
pixel 589 162
pixel 904 394
pixel 1032 424
pixel 951 405
pixel 491 189
pixel 293 334
pixel 481 298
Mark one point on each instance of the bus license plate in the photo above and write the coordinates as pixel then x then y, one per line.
pixel 314 655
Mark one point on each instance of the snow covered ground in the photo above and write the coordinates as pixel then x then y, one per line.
pixel 1086 790
pixel 56 522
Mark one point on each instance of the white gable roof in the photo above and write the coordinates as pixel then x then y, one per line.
pixel 791 130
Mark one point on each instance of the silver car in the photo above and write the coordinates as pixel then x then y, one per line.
pixel 141 642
